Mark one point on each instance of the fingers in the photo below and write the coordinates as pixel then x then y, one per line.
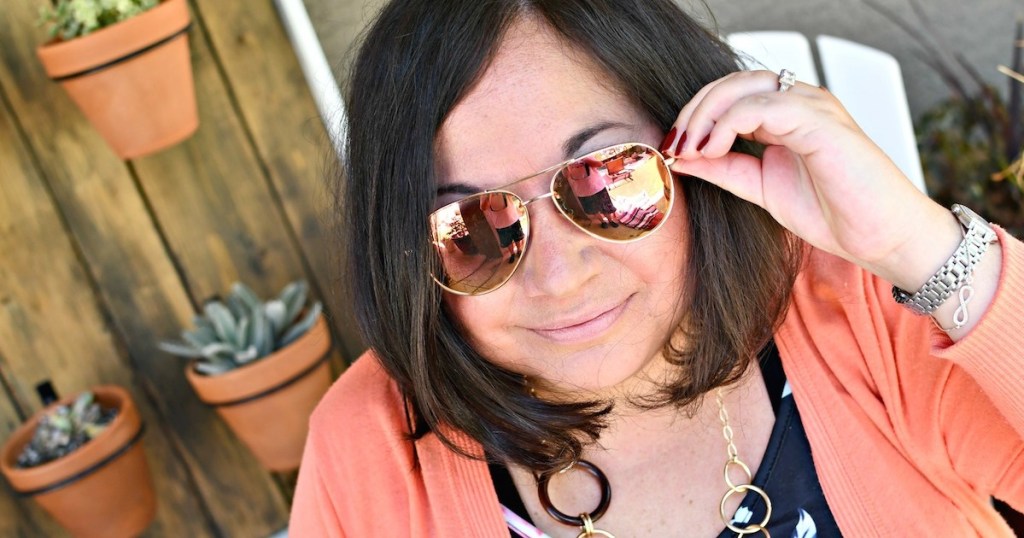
pixel 745 104
pixel 684 115
pixel 719 94
pixel 737 173
pixel 771 119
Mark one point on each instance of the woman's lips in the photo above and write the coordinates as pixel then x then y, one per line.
pixel 584 330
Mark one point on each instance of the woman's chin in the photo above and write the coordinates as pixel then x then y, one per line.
pixel 590 376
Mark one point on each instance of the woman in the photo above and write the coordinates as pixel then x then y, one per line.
pixel 644 362
pixel 501 214
pixel 589 184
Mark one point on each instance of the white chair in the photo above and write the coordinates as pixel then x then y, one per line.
pixel 867 81
pixel 776 50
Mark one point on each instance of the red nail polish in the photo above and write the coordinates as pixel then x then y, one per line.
pixel 679 146
pixel 667 143
pixel 703 142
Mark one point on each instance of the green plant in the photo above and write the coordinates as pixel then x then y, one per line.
pixel 69 19
pixel 243 328
pixel 965 162
pixel 64 430
pixel 971 142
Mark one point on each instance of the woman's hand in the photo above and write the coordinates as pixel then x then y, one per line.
pixel 820 176
pixel 823 179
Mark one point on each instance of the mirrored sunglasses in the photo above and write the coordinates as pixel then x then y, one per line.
pixel 621 194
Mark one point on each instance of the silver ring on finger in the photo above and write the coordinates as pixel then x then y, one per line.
pixel 786 80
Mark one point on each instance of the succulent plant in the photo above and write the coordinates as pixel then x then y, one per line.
pixel 65 429
pixel 69 19
pixel 243 328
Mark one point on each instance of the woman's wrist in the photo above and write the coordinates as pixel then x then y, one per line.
pixel 938 234
pixel 957 269
pixel 984 282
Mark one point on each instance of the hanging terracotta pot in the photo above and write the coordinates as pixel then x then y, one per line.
pixel 102 489
pixel 132 80
pixel 268 403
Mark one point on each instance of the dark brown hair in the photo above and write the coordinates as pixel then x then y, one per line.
pixel 418 59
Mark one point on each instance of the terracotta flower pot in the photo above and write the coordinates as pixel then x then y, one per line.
pixel 133 80
pixel 267 403
pixel 104 488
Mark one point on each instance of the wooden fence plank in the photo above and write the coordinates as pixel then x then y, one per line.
pixel 51 327
pixel 212 201
pixel 137 281
pixel 250 44
pixel 18 517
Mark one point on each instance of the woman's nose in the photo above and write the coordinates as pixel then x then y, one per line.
pixel 561 258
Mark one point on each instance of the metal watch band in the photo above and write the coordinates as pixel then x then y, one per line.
pixel 958 268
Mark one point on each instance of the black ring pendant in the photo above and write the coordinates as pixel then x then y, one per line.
pixel 602 507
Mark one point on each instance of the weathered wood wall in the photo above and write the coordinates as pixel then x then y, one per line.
pixel 100 258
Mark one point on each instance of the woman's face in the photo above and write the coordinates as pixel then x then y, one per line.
pixel 580 313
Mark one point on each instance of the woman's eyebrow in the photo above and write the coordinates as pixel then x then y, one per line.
pixel 576 141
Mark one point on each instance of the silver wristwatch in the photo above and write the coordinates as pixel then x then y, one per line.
pixel 957 271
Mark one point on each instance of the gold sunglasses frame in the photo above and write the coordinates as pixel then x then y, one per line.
pixel 553 170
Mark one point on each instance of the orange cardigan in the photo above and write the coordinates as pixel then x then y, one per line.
pixel 910 435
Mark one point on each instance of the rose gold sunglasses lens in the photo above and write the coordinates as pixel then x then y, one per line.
pixel 621 193
pixel 480 241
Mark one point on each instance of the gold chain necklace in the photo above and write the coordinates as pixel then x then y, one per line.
pixel 734 460
pixel 585 521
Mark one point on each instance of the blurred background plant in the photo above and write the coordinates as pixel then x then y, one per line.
pixel 243 328
pixel 970 143
pixel 65 429
pixel 68 19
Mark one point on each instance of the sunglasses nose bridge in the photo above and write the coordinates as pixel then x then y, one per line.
pixel 548 194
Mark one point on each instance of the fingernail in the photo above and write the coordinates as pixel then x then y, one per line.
pixel 667 143
pixel 703 142
pixel 679 146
